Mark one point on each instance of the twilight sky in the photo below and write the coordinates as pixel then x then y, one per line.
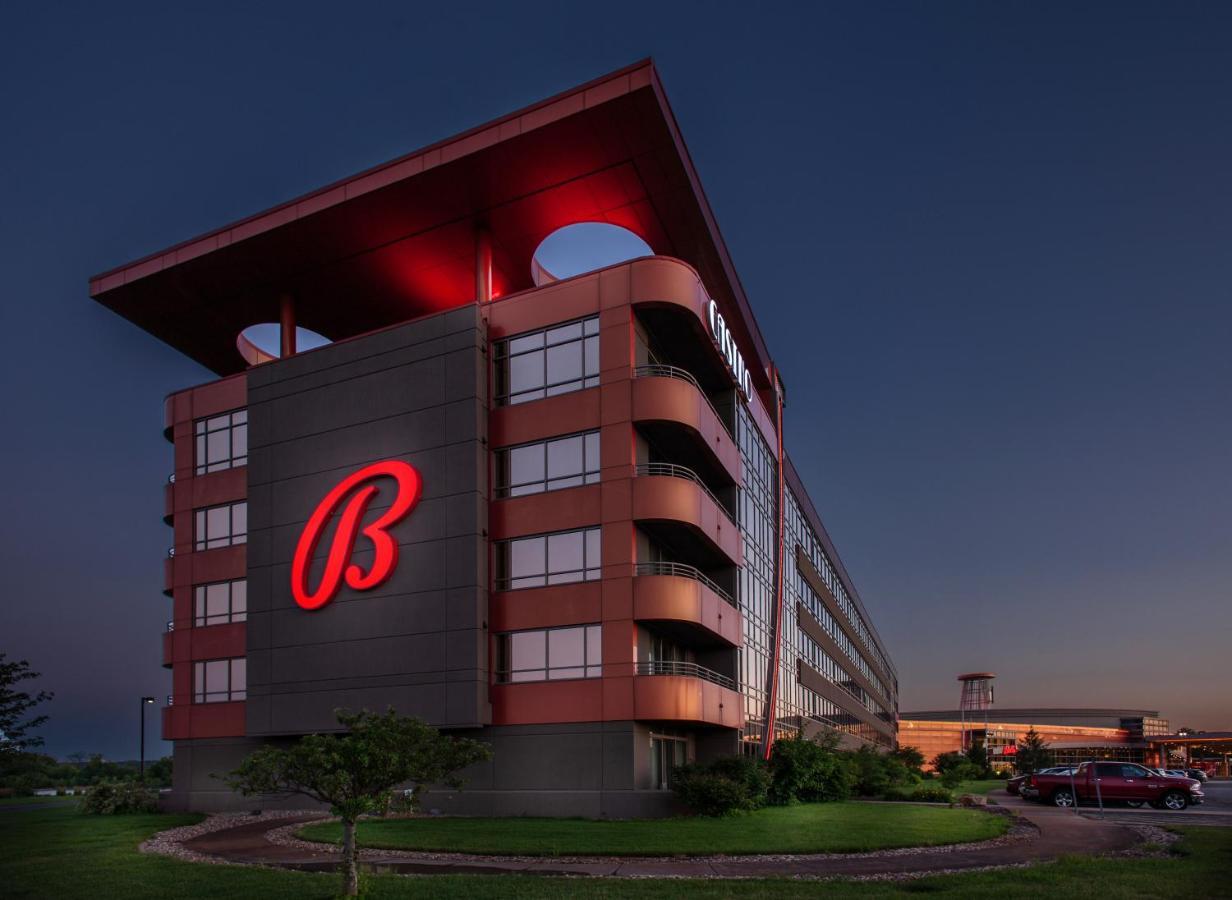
pixel 990 246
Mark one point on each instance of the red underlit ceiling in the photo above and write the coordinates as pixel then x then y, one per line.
pixel 408 247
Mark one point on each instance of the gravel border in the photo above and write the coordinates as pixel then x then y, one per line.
pixel 285 836
pixel 170 842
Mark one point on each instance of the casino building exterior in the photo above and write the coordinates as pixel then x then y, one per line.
pixel 555 514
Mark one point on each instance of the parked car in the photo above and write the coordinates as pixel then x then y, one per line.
pixel 1016 784
pixel 1199 774
pixel 1114 782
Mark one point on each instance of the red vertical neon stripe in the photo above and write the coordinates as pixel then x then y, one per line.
pixel 771 707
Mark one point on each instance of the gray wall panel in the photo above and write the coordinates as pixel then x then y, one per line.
pixel 417 642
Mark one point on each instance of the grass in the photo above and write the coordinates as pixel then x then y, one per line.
pixel 809 828
pixel 31 801
pixel 983 786
pixel 59 853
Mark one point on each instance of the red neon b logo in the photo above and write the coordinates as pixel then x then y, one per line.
pixel 409 488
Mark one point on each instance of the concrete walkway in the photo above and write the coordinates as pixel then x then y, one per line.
pixel 1057 833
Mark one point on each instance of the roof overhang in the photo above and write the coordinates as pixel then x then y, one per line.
pixel 399 240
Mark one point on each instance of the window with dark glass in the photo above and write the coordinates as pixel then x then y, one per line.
pixel 551 654
pixel 221 602
pixel 222 442
pixel 220 526
pixel 220 680
pixel 666 755
pixel 548 362
pixel 548 465
pixel 544 559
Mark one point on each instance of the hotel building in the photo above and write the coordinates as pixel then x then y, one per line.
pixel 554 513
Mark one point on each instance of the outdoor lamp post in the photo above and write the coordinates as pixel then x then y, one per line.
pixel 145 701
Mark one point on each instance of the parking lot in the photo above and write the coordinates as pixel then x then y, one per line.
pixel 1216 808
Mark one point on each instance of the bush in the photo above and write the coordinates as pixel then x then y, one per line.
pixel 726 785
pixel 111 798
pixel 923 793
pixel 930 793
pixel 805 771
pixel 952 777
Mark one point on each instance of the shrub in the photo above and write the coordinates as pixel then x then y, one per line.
pixel 930 793
pixel 808 771
pixel 747 771
pixel 876 772
pixel 111 798
pixel 726 785
pixel 962 772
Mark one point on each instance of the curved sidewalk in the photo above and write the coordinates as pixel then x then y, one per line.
pixel 1058 833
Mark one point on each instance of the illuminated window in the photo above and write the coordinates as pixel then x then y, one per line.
pixel 549 362
pixel 222 442
pixel 225 601
pixel 220 680
pixel 559 558
pixel 550 655
pixel 220 526
pixel 548 465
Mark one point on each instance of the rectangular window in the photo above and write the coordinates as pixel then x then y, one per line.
pixel 559 558
pixel 216 604
pixel 220 526
pixel 548 362
pixel 550 655
pixel 222 442
pixel 220 680
pixel 548 465
pixel 666 754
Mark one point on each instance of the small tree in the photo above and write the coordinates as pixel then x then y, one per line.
pixel 15 705
pixel 977 755
pixel 1033 753
pixel 355 773
pixel 911 757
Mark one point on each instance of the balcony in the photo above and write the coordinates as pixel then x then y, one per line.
pixel 683 595
pixel 687 669
pixel 692 696
pixel 676 508
pixel 671 470
pixel 672 409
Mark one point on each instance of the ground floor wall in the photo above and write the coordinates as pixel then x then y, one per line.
pixel 591 770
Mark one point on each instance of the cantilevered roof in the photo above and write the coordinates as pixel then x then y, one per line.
pixel 398 240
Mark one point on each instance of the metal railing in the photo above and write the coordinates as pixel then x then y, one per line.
pixel 658 370
pixel 671 470
pixel 682 570
pixel 687 669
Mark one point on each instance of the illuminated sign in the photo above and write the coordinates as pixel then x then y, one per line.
pixel 360 487
pixel 727 346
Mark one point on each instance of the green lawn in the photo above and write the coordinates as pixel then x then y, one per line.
pixel 985 786
pixel 58 853
pixel 811 828
pixel 30 801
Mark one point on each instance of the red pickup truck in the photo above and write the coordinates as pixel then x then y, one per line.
pixel 1118 783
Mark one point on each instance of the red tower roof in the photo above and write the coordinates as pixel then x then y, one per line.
pixel 398 240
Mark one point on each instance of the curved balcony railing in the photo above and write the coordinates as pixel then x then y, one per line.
pixel 682 570
pixel 671 470
pixel 658 370
pixel 687 669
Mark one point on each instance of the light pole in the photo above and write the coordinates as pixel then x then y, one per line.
pixel 145 701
